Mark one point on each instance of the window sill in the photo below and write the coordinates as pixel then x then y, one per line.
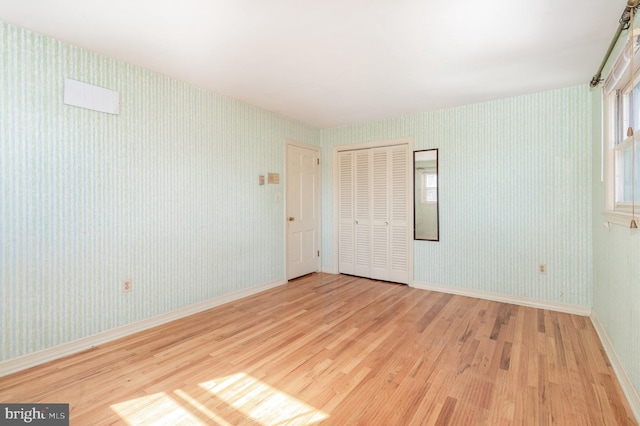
pixel 619 218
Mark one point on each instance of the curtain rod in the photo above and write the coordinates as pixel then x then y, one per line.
pixel 623 24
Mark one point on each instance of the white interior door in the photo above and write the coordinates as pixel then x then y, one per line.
pixel 303 210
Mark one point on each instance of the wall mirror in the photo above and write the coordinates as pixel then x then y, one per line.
pixel 425 195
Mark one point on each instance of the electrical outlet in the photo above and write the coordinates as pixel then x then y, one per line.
pixel 542 268
pixel 126 286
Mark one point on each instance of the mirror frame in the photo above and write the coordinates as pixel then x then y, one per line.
pixel 415 202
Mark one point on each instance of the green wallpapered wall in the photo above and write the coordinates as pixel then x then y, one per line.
pixel 165 194
pixel 515 191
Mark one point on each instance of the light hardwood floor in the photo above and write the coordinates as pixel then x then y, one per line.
pixel 339 350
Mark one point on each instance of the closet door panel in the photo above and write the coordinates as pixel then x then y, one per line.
pixel 400 181
pixel 362 206
pixel 380 213
pixel 346 212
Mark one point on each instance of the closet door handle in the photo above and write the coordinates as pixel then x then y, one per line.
pixel 356 222
pixel 386 224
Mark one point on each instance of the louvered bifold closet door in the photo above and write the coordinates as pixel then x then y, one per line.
pixel 400 196
pixel 374 191
pixel 346 213
pixel 380 213
pixel 362 216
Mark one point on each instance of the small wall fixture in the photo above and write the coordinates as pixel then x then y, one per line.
pixel 88 96
pixel 273 178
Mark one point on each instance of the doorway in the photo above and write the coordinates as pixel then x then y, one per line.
pixel 302 209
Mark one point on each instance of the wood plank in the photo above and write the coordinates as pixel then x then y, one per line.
pixel 336 349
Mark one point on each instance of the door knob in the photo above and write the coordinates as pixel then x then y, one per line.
pixel 291 218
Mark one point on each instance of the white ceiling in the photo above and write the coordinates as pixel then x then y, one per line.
pixel 329 63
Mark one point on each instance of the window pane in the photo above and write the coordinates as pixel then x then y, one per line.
pixel 624 118
pixel 624 175
pixel 429 187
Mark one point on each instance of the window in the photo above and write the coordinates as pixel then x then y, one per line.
pixel 622 100
pixel 430 187
pixel 623 147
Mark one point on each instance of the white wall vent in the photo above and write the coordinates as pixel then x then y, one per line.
pixel 84 95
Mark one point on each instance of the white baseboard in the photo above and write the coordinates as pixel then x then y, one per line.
pixel 36 358
pixel 497 297
pixel 623 378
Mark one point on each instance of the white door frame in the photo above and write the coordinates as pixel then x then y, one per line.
pixel 319 207
pixel 336 179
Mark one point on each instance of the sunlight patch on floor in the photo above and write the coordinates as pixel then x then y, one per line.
pixel 261 402
pixel 253 398
pixel 157 409
pixel 202 408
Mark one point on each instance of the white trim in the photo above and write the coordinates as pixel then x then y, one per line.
pixel 619 218
pixel 497 297
pixel 603 133
pixel 622 376
pixel 372 144
pixel 36 358
pixel 336 178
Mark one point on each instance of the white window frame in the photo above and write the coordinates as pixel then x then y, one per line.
pixel 617 83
